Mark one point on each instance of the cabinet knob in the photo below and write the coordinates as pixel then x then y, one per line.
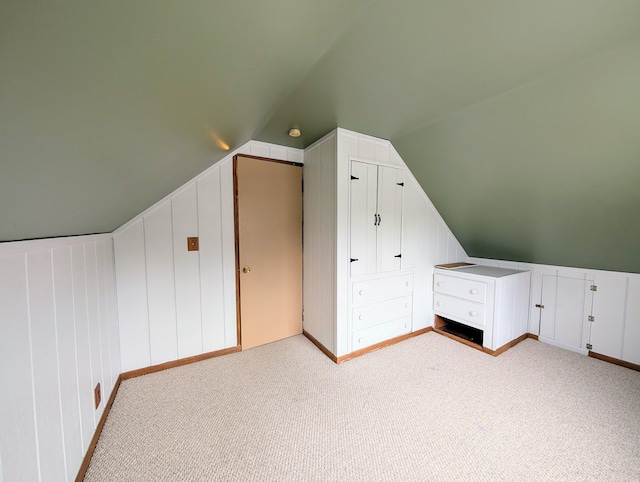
pixel 473 313
pixel 473 291
pixel 440 303
pixel 406 325
pixel 440 283
pixel 360 317
pixel 361 292
pixel 407 284
pixel 360 340
pixel 406 305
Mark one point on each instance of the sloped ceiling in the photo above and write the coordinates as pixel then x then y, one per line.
pixel 520 119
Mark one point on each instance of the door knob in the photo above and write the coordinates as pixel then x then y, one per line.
pixel 246 269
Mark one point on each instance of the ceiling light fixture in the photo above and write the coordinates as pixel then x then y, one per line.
pixel 293 132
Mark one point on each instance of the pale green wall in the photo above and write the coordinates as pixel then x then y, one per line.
pixel 546 173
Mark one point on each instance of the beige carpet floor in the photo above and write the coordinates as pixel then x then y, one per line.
pixel 425 409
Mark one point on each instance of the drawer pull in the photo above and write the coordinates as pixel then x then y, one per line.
pixel 473 313
pixel 360 340
pixel 407 284
pixel 440 283
pixel 361 292
pixel 406 305
pixel 440 303
pixel 473 291
pixel 360 317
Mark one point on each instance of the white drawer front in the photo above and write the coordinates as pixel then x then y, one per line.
pixel 370 291
pixel 460 310
pixel 375 313
pixel 462 288
pixel 385 331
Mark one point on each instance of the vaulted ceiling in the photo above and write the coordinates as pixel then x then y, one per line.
pixel 520 119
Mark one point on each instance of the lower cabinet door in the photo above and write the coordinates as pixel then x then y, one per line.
pixel 384 331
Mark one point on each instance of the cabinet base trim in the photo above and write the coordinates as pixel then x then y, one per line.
pixel 320 346
pixel 176 363
pixel 615 361
pixel 369 349
pixel 440 322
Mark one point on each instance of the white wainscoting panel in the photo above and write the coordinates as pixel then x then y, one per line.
pixel 161 289
pixel 319 289
pixel 631 343
pixel 44 359
pixel 184 206
pixel 131 283
pixel 174 303
pixel 211 268
pixel 57 309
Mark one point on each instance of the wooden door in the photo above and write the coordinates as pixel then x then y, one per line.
pixel 268 249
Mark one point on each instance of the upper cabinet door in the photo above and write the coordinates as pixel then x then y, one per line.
pixel 363 218
pixel 389 239
pixel 376 218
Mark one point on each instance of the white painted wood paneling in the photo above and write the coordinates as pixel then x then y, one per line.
pixel 211 268
pixel 110 294
pixel 415 255
pixel 228 253
pixel 319 241
pixel 158 239
pixel 382 151
pixel 184 206
pixel 277 152
pixel 103 302
pixel 68 369
pixel 50 291
pixel 93 313
pixel 366 148
pixel 133 313
pixel 83 343
pixel 18 440
pixel 631 344
pixel 260 149
pixel 44 356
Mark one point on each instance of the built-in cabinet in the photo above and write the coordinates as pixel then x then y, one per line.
pixel 492 301
pixel 587 311
pixel 371 238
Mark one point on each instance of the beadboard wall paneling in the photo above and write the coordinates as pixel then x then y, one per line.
pixel 133 309
pixel 186 265
pixel 319 267
pixel 59 338
pixel 174 303
pixel 615 331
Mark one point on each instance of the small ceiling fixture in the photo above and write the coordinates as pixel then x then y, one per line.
pixel 293 132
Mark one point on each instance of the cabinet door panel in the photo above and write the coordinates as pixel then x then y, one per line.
pixel 390 218
pixel 363 211
pixel 567 304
